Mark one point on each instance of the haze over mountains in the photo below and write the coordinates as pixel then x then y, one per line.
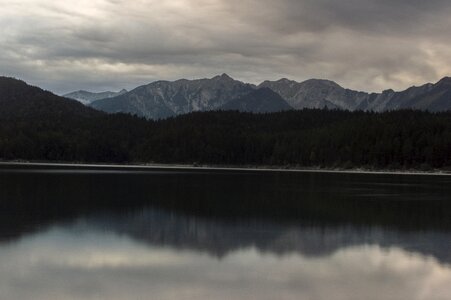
pixel 163 99
pixel 87 98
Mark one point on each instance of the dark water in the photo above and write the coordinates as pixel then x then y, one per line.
pixel 77 233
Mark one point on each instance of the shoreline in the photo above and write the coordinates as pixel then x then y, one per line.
pixel 150 167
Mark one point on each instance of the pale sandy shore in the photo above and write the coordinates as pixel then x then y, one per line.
pixel 151 167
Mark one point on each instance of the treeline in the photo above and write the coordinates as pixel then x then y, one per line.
pixel 306 138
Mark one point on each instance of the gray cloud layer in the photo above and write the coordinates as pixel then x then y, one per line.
pixel 109 44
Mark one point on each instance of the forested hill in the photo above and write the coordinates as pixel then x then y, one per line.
pixel 37 125
pixel 20 100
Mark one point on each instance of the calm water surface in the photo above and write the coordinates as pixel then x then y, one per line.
pixel 79 233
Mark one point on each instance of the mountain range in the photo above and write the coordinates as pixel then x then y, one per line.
pixel 38 125
pixel 316 93
pixel 162 99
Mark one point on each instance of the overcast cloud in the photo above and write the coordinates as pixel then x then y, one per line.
pixel 110 44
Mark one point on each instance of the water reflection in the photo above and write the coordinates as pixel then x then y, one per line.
pixel 86 261
pixel 223 235
pixel 219 237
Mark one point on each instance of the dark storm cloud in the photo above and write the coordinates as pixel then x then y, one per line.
pixel 110 44
pixel 382 16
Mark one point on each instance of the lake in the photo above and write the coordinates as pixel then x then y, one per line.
pixel 70 232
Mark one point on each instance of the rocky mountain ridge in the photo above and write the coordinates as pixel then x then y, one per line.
pixel 163 99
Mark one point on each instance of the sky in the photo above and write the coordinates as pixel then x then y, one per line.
pixel 97 45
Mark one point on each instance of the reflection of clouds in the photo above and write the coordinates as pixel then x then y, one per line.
pixel 73 264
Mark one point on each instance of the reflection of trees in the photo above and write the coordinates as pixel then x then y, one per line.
pixel 219 237
pixel 222 211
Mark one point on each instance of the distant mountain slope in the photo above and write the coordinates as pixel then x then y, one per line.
pixel 20 100
pixel 87 98
pixel 164 98
pixel 391 100
pixel 263 100
pixel 316 93
pixel 432 97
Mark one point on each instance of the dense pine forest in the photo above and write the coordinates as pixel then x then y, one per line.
pixel 38 126
pixel 308 138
